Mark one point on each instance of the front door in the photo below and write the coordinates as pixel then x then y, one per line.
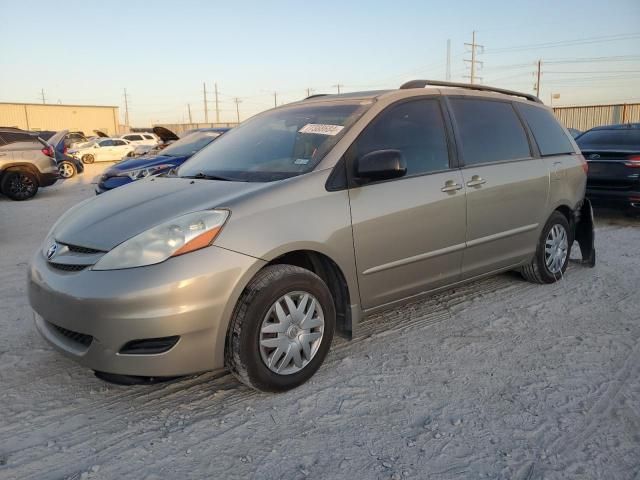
pixel 506 187
pixel 409 232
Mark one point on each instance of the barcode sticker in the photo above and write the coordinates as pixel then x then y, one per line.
pixel 321 129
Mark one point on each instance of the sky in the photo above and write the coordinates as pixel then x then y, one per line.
pixel 83 52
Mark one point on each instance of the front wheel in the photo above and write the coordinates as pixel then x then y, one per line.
pixel 19 185
pixel 552 253
pixel 66 169
pixel 88 158
pixel 281 330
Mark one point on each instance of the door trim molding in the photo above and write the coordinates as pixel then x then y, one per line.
pixel 415 258
pixel 505 234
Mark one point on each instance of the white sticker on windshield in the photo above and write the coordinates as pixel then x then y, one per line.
pixel 321 129
pixel 301 161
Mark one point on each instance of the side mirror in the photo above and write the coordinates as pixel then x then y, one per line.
pixel 381 165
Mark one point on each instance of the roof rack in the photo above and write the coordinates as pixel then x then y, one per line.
pixel 316 95
pixel 470 86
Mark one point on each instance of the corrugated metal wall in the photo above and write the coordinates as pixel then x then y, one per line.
pixel 586 117
pixel 85 118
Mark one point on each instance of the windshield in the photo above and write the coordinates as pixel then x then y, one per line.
pixel 609 139
pixel 277 144
pixel 190 144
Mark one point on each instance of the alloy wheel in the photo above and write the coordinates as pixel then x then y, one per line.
pixel 22 186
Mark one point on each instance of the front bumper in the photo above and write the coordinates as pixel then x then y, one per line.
pixel 109 183
pixel 191 296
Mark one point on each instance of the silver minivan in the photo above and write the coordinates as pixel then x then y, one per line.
pixel 303 220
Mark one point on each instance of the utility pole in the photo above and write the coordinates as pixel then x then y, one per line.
pixel 237 102
pixel 206 108
pixel 189 108
pixel 475 50
pixel 42 94
pixel 338 87
pixel 537 85
pixel 448 72
pixel 215 86
pixel 275 99
pixel 126 108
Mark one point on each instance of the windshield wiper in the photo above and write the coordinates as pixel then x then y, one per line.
pixel 206 176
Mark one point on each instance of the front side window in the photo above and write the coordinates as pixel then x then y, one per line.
pixel 148 137
pixel 277 144
pixel 106 143
pixel 489 131
pixel 416 129
pixel 549 135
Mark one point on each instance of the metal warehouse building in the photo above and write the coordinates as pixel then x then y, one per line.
pixel 38 116
pixel 588 116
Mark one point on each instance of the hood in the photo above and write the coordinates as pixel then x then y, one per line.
pixel 144 162
pixel 165 134
pixel 101 134
pixel 113 217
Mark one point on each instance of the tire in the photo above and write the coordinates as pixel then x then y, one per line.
pixel 19 185
pixel 67 169
pixel 88 158
pixel 538 271
pixel 247 356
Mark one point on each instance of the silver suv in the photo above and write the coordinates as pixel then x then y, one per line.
pixel 303 220
pixel 26 163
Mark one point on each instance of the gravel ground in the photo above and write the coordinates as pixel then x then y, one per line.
pixel 496 379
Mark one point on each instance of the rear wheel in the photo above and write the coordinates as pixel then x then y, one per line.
pixel 66 169
pixel 19 185
pixel 281 329
pixel 552 253
pixel 88 158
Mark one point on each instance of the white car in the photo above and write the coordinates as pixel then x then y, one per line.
pixel 103 150
pixel 142 138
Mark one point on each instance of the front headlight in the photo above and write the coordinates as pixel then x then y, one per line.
pixel 181 235
pixel 139 173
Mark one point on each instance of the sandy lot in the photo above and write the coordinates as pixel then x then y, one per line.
pixel 497 379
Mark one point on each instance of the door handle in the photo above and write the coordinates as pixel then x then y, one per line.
pixel 451 186
pixel 476 181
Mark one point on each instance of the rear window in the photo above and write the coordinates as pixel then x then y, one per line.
pixel 618 138
pixel 549 135
pixel 489 131
pixel 14 137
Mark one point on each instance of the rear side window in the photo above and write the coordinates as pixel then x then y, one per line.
pixel 133 137
pixel 489 131
pixel 549 135
pixel 148 137
pixel 119 143
pixel 416 128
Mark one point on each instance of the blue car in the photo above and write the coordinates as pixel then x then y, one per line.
pixel 173 156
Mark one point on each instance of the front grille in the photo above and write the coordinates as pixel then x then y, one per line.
pixel 149 346
pixel 67 267
pixel 85 250
pixel 81 338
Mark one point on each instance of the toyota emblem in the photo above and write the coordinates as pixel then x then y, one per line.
pixel 594 156
pixel 52 251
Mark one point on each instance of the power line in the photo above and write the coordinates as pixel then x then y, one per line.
pixel 567 43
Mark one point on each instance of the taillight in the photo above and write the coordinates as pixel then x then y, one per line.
pixel 48 151
pixel 64 150
pixel 585 165
pixel 633 161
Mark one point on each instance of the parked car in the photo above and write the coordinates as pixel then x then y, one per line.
pixel 173 156
pixel 166 136
pixel 613 155
pixel 68 166
pixel 26 163
pixel 71 139
pixel 302 221
pixel 138 139
pixel 102 150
